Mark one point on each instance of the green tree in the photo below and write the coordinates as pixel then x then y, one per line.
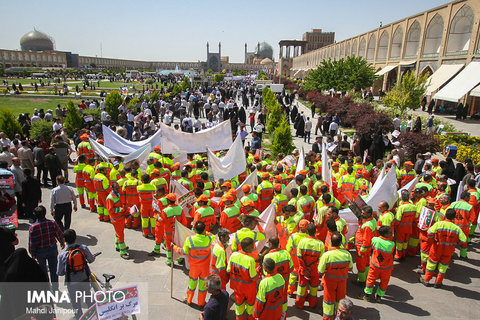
pixel 73 120
pixel 9 124
pixel 42 128
pixel 275 118
pixel 219 77
pixel 282 140
pixel 408 93
pixel 155 96
pixel 176 90
pixel 341 75
pixel 112 102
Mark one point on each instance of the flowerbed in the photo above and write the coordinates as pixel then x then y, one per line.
pixel 468 147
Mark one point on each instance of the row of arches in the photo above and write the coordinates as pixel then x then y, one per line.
pixel 390 47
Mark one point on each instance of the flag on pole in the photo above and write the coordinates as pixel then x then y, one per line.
pixel 252 180
pixel 300 162
pixel 180 235
pixel 326 171
pixel 268 216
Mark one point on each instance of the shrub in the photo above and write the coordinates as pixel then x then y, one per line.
pixel 9 124
pixel 275 118
pixel 112 102
pixel 373 122
pixel 149 81
pixel 414 143
pixel 73 120
pixel 282 140
pixel 42 128
pixel 155 96
pixel 132 104
pixel 218 77
pixel 356 112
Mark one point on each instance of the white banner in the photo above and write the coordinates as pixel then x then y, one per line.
pixel 386 191
pixel 231 165
pixel 252 180
pixel 121 145
pixel 409 186
pixel 181 159
pixel 141 154
pixel 216 138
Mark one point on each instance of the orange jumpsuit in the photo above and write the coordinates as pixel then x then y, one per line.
pixel 117 217
pixel 363 244
pixel 205 214
pixel 132 198
pixel 381 265
pixel 146 193
pixel 167 218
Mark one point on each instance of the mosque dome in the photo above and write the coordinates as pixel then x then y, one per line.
pixel 264 50
pixel 36 41
pixel 266 61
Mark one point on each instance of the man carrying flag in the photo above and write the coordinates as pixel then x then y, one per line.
pixel 117 217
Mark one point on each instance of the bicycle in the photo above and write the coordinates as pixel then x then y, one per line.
pixel 106 286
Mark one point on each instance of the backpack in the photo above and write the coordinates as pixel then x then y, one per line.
pixel 77 261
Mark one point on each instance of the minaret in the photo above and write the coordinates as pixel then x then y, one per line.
pixel 219 56
pixel 245 52
pixel 207 48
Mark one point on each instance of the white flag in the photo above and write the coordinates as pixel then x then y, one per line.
pixel 326 171
pixel 252 180
pixel 268 216
pixel 300 162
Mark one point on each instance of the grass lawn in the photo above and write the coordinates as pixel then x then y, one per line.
pixel 23 105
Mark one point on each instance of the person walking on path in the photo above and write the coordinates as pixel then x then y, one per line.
pixel 73 264
pixel 117 215
pixel 42 242
pixel 61 200
pixel 33 193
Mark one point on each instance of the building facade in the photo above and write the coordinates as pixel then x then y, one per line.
pixel 317 39
pixel 448 34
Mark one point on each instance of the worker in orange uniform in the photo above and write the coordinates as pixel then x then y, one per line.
pixel 102 188
pixel 280 200
pixel 446 235
pixel 334 264
pixel 229 216
pixel 425 240
pixel 249 195
pixel 309 252
pixel 407 174
pixel 84 147
pixel 198 248
pixel 464 215
pixel 167 218
pixel 271 301
pixel 265 191
pixel 381 264
pixel 404 219
pixel 475 202
pixel 219 257
pixel 291 248
pixel 363 243
pixel 88 175
pixel 117 214
pixel 79 180
pixel 146 191
pixel 205 213
pixel 305 203
pixel 243 279
pixel 283 260
pixel 248 231
pixel 132 199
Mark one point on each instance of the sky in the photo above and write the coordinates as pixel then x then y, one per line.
pixel 178 30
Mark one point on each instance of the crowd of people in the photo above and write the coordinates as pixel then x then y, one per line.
pixel 311 249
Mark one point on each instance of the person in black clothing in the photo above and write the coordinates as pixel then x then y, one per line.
pixel 216 307
pixel 53 165
pixel 459 113
pixel 24 274
pixel 8 241
pixel 30 187
pixel 39 161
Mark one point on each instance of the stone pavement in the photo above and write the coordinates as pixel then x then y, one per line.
pixel 405 297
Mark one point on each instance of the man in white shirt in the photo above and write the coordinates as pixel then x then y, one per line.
pixel 122 108
pixel 144 105
pixel 167 119
pixel 396 123
pixel 409 124
pixel 102 104
pixel 130 116
pixel 221 107
pixel 333 129
pixel 92 105
pixel 57 125
pixel 103 116
pixel 4 141
pixel 35 118
pixel 308 129
pixel 197 124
